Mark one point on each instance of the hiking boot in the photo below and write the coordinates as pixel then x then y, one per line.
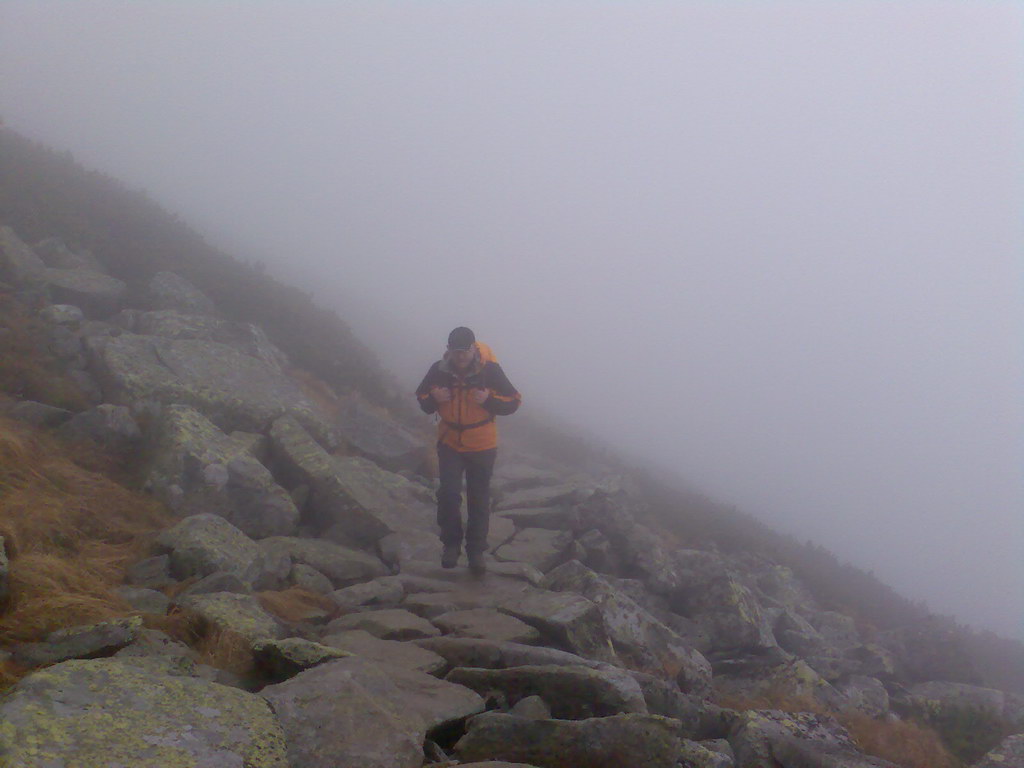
pixel 477 566
pixel 450 555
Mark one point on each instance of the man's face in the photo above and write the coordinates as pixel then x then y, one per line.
pixel 461 358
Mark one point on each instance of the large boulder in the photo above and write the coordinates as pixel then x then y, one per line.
pixel 619 741
pixel 236 391
pixel 82 642
pixel 19 264
pixel 105 713
pixel 342 565
pixel 1009 754
pixel 110 426
pixel 166 290
pixel 342 499
pixel 378 438
pixel 570 621
pixel 96 294
pixel 387 624
pixel 237 614
pixel 537 497
pixel 641 641
pixel 204 544
pixel 353 712
pixel 197 468
pixel 57 255
pixel 573 692
pixel 491 654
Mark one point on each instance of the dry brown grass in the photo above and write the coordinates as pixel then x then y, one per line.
pixel 296 604
pixel 69 533
pixel 903 742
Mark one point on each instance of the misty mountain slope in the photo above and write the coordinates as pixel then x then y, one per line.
pixel 303 534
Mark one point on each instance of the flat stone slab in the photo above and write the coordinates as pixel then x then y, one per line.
pixel 80 642
pixel 572 692
pixel 619 741
pixel 535 498
pixel 104 713
pixel 489 654
pixel 400 654
pixel 240 614
pixel 344 566
pixel 286 658
pixel 551 518
pixel 353 712
pixel 387 624
pixel 567 620
pixel 97 294
pixel 540 548
pixel 204 544
pixel 488 624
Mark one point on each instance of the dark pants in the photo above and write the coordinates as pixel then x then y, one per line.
pixel 477 466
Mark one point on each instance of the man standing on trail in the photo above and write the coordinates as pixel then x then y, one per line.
pixel 467 389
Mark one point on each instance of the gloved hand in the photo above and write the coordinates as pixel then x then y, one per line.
pixel 480 395
pixel 441 394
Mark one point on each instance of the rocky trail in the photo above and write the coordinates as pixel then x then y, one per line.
pixel 590 642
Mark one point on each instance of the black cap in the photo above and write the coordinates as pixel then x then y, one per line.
pixel 461 338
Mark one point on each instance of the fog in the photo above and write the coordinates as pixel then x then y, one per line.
pixel 773 247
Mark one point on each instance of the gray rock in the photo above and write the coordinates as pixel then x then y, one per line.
pixel 399 654
pixel 96 294
pixel 538 497
pixel 732 616
pixel 221 581
pixel 664 698
pixel 1009 754
pixel 383 591
pixel 569 621
pixel 513 476
pixel 167 290
pixel 197 468
pixel 154 572
pixel 942 702
pixel 56 254
pixel 110 426
pixel 865 694
pixel 379 438
pixel 255 444
pixel 387 624
pixel 61 314
pixel 288 657
pixel 234 390
pixel 694 755
pixel 144 600
pixel 551 518
pixel 203 544
pixel 156 652
pixel 574 692
pixel 542 549
pixel 354 712
pixel 641 641
pixel 339 497
pixel 106 713
pixel 310 578
pixel 39 414
pixel 19 265
pixel 342 565
pixel 241 615
pixel 797 635
pixel 490 654
pixel 533 707
pixel 760 736
pixel 488 624
pixel 5 567
pixel 244 337
pixel 619 741
pixel 838 629
pixel 80 642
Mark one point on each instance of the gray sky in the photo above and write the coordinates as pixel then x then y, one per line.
pixel 775 246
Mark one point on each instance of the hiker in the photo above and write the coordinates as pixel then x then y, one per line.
pixel 467 389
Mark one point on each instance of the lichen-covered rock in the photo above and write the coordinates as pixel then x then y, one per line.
pixel 144 600
pixel 234 390
pixel 286 658
pixel 105 713
pixel 387 624
pixel 197 468
pixel 573 692
pixel 865 694
pixel 641 641
pixel 155 651
pixel 570 621
pixel 387 590
pixel 80 642
pixel 694 755
pixel 538 497
pixel 38 414
pixel 19 265
pixel 166 290
pixel 98 295
pixel 203 544
pixel 110 426
pixel 731 615
pixel 379 438
pixel 342 565
pixel 400 654
pixel 61 314
pixel 619 741
pixel 353 712
pixel 241 615
pixel 758 735
pixel 310 578
pixel 551 518
pixel 340 500
pixel 490 654
pixel 56 254
pixel 1009 754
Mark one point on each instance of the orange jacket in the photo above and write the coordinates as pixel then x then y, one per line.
pixel 466 425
